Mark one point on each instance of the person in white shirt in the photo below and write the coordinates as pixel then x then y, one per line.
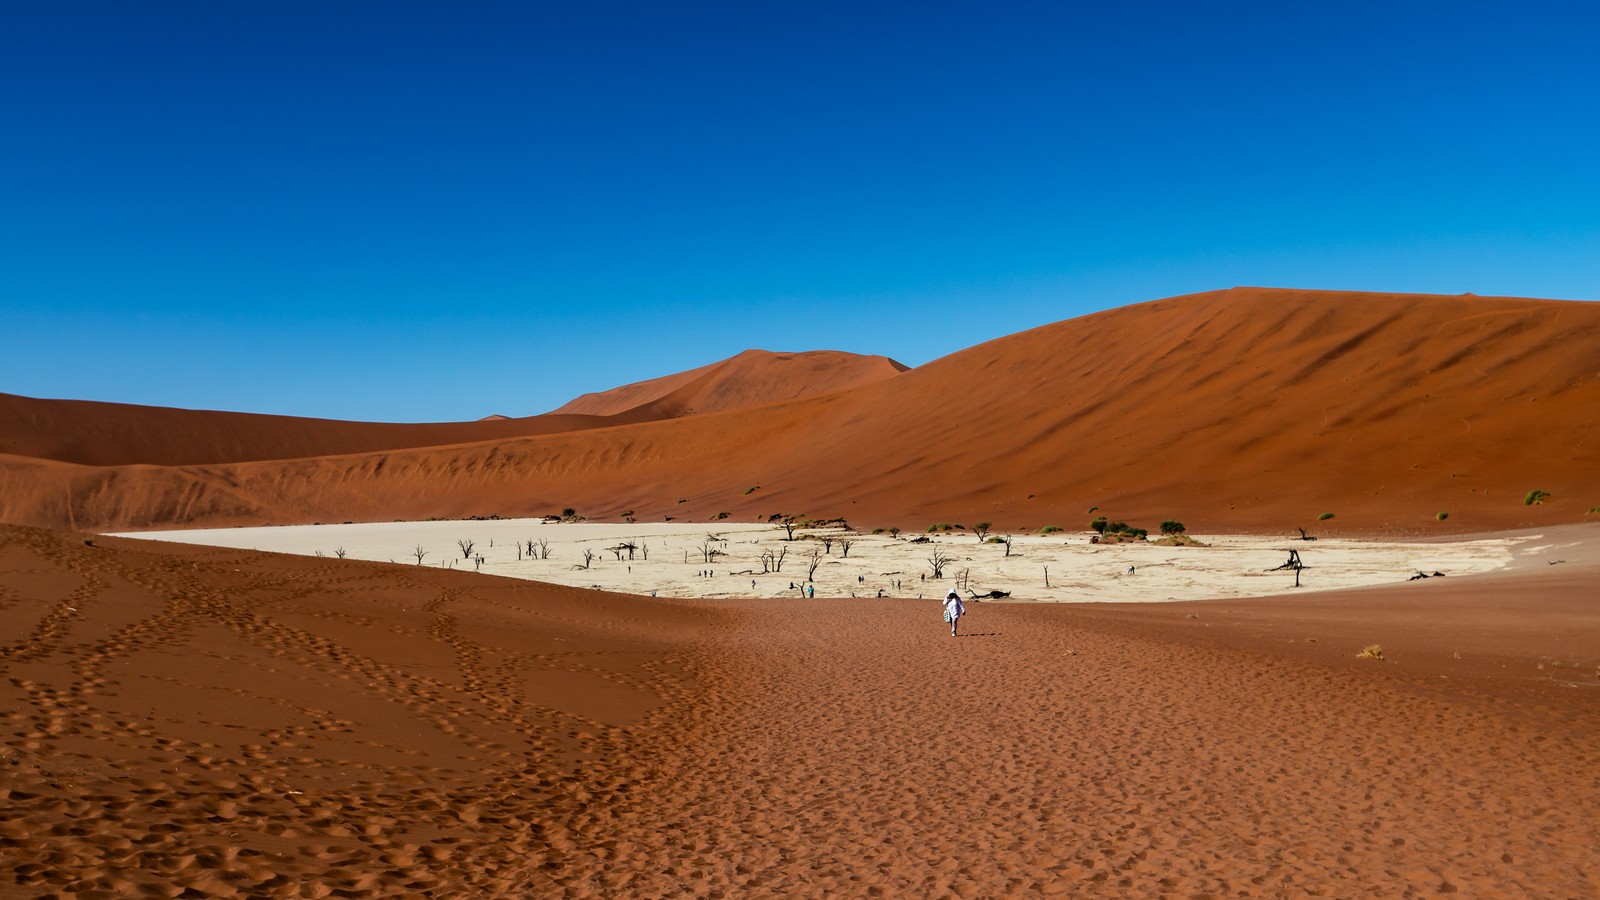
pixel 954 609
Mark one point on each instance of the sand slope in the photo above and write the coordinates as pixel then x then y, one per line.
pixel 752 378
pixel 110 434
pixel 1243 410
pixel 231 722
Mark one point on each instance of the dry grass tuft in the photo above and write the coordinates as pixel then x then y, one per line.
pixel 1371 651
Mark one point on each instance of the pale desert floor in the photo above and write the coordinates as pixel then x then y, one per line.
pixel 670 559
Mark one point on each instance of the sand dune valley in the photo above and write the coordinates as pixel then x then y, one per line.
pixel 253 656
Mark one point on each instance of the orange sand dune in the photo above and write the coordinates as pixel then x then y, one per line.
pixel 232 723
pixel 92 433
pixel 1249 409
pixel 752 378
pixel 109 434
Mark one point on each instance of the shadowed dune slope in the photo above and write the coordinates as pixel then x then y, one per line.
pixel 1233 410
pixel 752 378
pixel 184 721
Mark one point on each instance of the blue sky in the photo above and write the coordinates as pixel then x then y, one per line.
pixel 425 211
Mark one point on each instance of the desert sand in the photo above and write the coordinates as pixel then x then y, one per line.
pixel 671 559
pixel 189 714
pixel 232 722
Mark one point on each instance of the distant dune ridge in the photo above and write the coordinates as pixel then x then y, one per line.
pixel 94 433
pixel 1249 408
pixel 752 378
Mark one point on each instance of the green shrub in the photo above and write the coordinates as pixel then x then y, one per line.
pixel 1172 527
pixel 1091 509
pixel 878 530
pixel 568 512
pixel 1442 516
pixel 1535 497
pixel 1324 517
pixel 752 490
pixel 1050 529
pixel 1099 524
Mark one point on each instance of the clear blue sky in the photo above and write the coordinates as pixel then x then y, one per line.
pixel 435 211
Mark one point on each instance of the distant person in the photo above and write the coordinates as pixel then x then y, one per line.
pixel 954 609
pixel 811 591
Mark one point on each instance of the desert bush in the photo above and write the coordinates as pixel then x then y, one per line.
pixel 879 530
pixel 1099 524
pixel 1172 527
pixel 1441 516
pixel 568 513
pixel 1371 651
pixel 995 540
pixel 1535 497
pixel 1324 517
pixel 752 489
pixel 1050 529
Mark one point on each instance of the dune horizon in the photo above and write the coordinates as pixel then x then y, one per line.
pixel 1246 410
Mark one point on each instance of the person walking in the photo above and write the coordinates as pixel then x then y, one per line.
pixel 954 609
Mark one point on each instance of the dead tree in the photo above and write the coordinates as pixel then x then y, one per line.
pixel 938 561
pixel 466 548
pixel 339 553
pixel 419 553
pixel 788 524
pixel 1007 542
pixel 709 551
pixel 827 544
pixel 844 546
pixel 544 549
pixel 1306 537
pixel 982 528
pixel 772 561
pixel 1293 563
pixel 588 559
pixel 811 565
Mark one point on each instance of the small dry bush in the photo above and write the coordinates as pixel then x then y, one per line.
pixel 1371 651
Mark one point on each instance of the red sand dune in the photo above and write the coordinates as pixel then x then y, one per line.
pixel 233 723
pixel 752 378
pixel 1234 410
pixel 110 434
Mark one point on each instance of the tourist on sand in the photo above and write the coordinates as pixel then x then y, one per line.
pixel 954 609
